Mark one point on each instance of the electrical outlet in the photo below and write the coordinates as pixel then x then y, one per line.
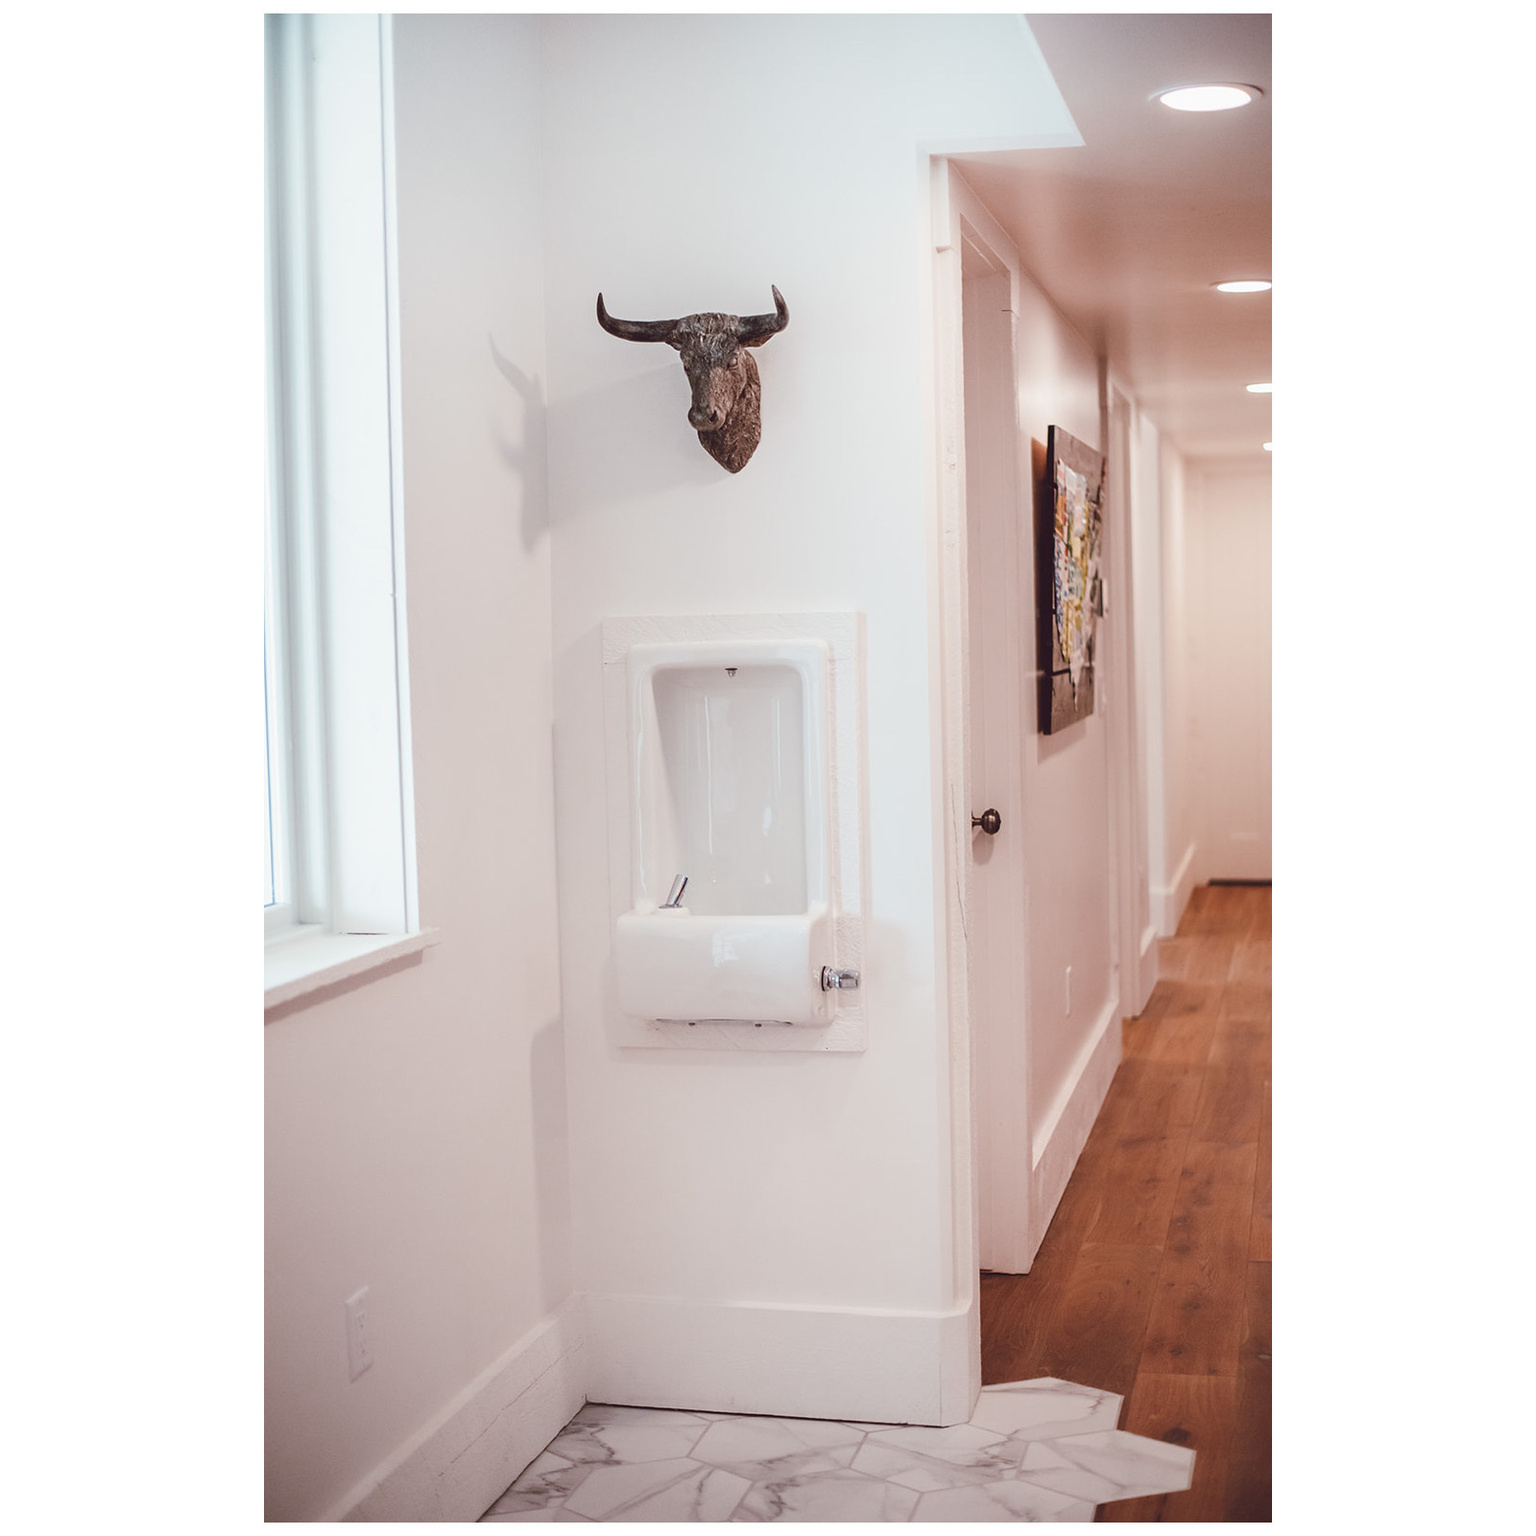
pixel 359 1348
pixel 1068 989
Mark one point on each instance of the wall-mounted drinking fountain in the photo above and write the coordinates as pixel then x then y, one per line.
pixel 734 860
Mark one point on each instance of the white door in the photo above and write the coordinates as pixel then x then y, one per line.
pixel 998 609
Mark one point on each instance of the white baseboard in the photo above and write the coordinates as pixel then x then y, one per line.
pixel 1064 1132
pixel 1146 972
pixel 864 1364
pixel 461 1460
pixel 1169 901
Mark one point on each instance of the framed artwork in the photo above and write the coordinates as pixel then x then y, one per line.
pixel 1069 597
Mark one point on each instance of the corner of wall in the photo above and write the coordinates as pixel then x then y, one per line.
pixel 458 1464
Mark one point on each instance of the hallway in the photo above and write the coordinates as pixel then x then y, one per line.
pixel 1154 1278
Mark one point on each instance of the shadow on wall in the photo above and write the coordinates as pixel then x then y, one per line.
pixel 1047 747
pixel 642 422
pixel 528 461
pixel 546 1081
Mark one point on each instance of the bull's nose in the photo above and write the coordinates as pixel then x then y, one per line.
pixel 705 421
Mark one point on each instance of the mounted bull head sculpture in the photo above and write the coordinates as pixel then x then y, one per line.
pixel 727 393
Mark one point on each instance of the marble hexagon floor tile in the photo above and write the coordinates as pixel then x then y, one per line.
pixel 1033 1450
pixel 1045 1408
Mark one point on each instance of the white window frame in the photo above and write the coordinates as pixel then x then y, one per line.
pixel 344 848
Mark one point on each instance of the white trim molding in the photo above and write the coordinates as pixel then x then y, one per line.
pixel 1169 901
pixel 457 1464
pixel 1146 971
pixel 1064 1131
pixel 860 1363
pixel 311 959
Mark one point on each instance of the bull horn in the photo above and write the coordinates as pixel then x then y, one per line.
pixel 754 330
pixel 635 330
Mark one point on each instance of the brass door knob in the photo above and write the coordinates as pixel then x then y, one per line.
pixel 989 822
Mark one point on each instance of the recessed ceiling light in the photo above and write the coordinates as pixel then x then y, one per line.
pixel 1244 285
pixel 1260 389
pixel 1207 98
pixel 1269 447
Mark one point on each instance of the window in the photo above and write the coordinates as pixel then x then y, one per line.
pixel 340 861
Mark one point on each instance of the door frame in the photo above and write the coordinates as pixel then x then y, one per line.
pixel 1136 947
pixel 958 216
pixel 957 212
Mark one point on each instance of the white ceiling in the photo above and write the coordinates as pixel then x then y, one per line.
pixel 1128 232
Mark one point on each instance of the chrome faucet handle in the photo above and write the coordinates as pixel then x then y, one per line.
pixel 675 895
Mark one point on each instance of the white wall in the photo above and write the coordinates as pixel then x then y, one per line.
pixel 791 1215
pixel 1228 600
pixel 1066 775
pixel 416 1139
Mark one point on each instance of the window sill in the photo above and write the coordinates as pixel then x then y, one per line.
pixel 309 961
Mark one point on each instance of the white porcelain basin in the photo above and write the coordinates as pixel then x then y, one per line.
pixel 675 965
pixel 729 787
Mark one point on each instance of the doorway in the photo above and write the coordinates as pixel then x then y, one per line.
pixel 1229 603
pixel 1038 905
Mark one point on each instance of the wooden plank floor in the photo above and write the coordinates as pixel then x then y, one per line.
pixel 1153 1280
